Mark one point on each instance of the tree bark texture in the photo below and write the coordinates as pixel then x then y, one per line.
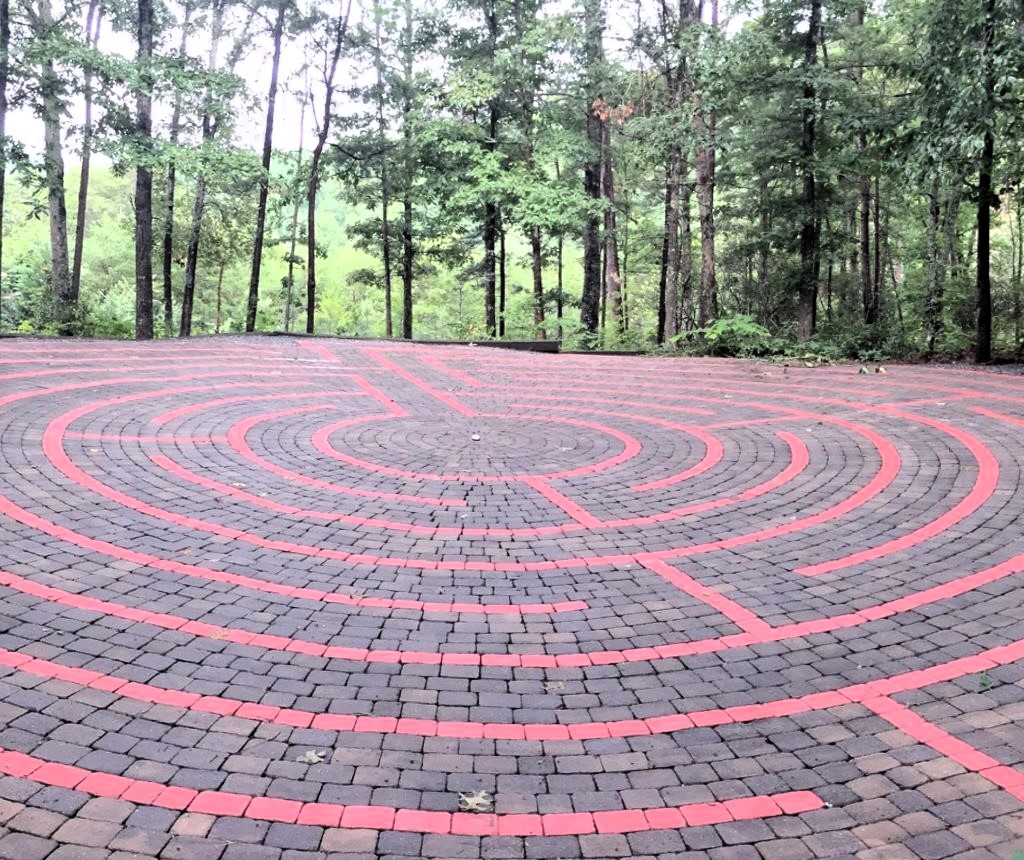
pixel 171 188
pixel 144 180
pixel 268 151
pixel 93 22
pixel 807 289
pixel 341 27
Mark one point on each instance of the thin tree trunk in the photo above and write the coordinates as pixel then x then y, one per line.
pixel 685 319
pixel 1018 273
pixel 704 163
pixel 268 151
pixel 93 22
pixel 5 46
pixel 385 189
pixel 192 258
pixel 289 291
pixel 196 229
pixel 171 187
pixel 864 261
pixel 340 29
pixel 53 160
pixel 408 249
pixel 538 283
pixel 764 245
pixel 502 277
pixel 671 251
pixel 986 198
pixel 933 301
pixel 590 299
pixel 560 273
pixel 612 273
pixel 807 291
pixel 983 343
pixel 144 179
pixel 220 293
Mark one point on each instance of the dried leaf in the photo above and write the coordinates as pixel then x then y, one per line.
pixel 475 801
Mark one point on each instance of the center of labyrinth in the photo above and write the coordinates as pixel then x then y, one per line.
pixel 478 449
pixel 612 606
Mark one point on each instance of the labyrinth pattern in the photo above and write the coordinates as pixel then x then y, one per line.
pixel 281 598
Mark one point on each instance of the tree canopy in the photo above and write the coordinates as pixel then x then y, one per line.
pixel 830 178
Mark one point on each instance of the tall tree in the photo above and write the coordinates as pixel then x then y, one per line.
pixel 51 107
pixel 593 59
pixel 216 114
pixel 704 119
pixel 5 65
pixel 167 268
pixel 277 35
pixel 143 174
pixel 337 29
pixel 986 197
pixel 810 248
pixel 93 23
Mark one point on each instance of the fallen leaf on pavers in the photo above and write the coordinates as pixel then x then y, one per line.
pixel 476 801
pixel 863 370
pixel 551 686
pixel 312 757
pixel 95 450
pixel 220 634
pixel 880 369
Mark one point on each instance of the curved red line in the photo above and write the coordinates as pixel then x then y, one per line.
pixel 981 491
pixel 100 784
pixel 358 724
pixel 238 439
pixel 321 441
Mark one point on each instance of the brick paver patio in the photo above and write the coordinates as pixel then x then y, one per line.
pixel 272 599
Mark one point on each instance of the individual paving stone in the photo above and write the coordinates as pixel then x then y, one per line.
pixel 25 846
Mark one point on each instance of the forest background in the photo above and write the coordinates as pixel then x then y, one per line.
pixel 834 179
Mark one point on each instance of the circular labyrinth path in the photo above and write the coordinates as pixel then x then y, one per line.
pixel 281 599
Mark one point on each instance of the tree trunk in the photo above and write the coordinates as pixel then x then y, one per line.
pixel 196 229
pixel 220 293
pixel 268 151
pixel 864 261
pixel 341 26
pixel 807 290
pixel 933 301
pixel 490 268
pixel 289 289
pixel 5 46
pixel 385 189
pixel 685 319
pixel 612 273
pixel 144 179
pixel 983 344
pixel 53 160
pixel 763 247
pixel 704 164
pixel 538 283
pixel 188 292
pixel 671 255
pixel 986 198
pixel 590 299
pixel 93 22
pixel 171 188
pixel 408 249
pixel 502 277
pixel 559 275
